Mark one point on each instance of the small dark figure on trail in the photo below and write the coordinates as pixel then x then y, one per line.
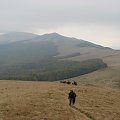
pixel 72 97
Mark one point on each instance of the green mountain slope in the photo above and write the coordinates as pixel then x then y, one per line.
pixel 38 58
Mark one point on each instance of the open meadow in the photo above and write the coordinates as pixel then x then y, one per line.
pixel 28 100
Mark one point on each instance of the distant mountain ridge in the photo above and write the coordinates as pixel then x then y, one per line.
pixel 37 57
pixel 23 36
pixel 15 36
pixel 28 56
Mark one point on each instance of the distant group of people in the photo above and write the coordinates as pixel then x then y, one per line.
pixel 68 82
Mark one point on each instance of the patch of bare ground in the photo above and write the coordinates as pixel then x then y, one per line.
pixel 22 100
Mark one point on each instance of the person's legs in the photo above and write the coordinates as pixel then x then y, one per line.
pixel 70 101
pixel 74 101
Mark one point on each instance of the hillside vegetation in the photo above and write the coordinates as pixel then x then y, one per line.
pixel 38 59
pixel 50 69
pixel 52 57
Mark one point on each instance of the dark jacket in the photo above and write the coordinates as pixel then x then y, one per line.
pixel 72 95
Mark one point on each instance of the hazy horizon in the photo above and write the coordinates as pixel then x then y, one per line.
pixel 91 20
pixel 116 48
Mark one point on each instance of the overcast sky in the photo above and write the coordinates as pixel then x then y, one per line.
pixel 97 21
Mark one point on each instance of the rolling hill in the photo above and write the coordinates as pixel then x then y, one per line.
pixel 15 36
pixel 28 56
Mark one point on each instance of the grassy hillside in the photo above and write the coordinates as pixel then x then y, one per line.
pixel 49 101
pixel 105 77
pixel 109 77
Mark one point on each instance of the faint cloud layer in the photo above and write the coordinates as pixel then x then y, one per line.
pixel 54 15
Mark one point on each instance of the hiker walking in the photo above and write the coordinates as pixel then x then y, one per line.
pixel 72 97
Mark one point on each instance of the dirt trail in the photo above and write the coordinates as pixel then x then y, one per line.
pixel 77 112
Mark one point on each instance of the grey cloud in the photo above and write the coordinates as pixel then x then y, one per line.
pixel 52 10
pixel 29 15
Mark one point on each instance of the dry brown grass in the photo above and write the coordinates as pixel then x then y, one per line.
pixel 109 77
pixel 22 100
